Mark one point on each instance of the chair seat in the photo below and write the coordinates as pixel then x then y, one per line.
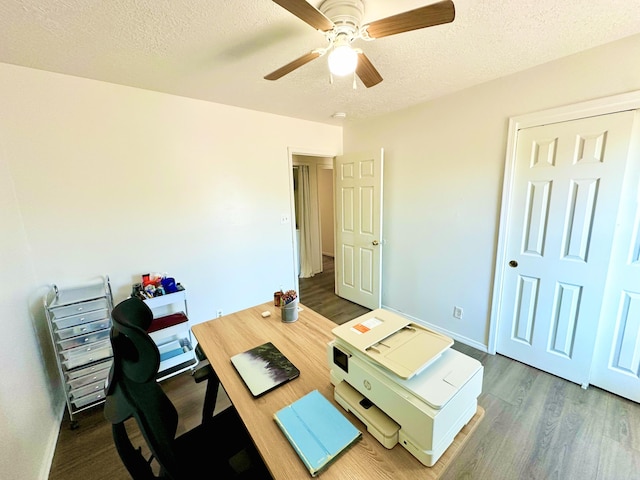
pixel 220 448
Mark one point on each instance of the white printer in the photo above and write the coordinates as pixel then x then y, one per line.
pixel 403 382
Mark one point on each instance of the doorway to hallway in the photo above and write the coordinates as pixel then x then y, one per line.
pixel 318 293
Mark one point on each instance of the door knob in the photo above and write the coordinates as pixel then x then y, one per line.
pixel 375 242
pixel 513 264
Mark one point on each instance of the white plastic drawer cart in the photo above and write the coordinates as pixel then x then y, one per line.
pixel 79 320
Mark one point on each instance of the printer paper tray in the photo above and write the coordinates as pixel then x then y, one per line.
pixel 378 423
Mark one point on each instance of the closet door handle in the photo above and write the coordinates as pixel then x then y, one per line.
pixel 375 242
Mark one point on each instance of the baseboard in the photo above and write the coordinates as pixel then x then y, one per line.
pixel 457 337
pixel 52 443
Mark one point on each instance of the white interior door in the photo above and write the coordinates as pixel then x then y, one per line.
pixel 358 215
pixel 566 189
pixel 616 363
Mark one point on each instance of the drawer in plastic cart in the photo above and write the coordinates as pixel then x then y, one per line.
pixel 175 332
pixel 84 339
pixel 78 308
pixel 81 318
pixel 94 368
pixel 89 378
pixel 175 353
pixel 81 350
pixel 97 386
pixel 88 399
pixel 88 357
pixel 83 329
pixel 174 348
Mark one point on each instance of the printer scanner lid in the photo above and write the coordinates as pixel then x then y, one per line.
pixel 396 343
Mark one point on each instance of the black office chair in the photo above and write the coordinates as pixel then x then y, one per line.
pixel 219 447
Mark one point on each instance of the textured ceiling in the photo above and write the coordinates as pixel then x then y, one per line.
pixel 220 50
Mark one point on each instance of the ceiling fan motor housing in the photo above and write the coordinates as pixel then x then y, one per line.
pixel 345 14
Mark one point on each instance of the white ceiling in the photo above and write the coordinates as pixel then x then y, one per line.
pixel 220 50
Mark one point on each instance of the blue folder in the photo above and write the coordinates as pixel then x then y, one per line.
pixel 171 353
pixel 317 430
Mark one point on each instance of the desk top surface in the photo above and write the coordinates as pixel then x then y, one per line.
pixel 304 342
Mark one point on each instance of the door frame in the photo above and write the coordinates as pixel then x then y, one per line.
pixel 591 108
pixel 307 152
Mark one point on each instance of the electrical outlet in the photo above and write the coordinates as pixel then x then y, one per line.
pixel 457 312
pixel 284 218
pixel 219 313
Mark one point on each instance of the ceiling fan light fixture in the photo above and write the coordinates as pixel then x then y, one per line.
pixel 341 22
pixel 343 60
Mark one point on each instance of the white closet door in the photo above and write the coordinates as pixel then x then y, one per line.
pixel 616 364
pixel 566 191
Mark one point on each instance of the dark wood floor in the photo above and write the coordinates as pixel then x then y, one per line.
pixel 536 426
pixel 317 293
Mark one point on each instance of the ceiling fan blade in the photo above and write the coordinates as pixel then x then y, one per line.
pixel 367 72
pixel 428 16
pixel 307 13
pixel 291 66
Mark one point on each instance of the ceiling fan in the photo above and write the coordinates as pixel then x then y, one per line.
pixel 341 22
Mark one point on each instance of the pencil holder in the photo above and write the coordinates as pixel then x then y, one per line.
pixel 289 311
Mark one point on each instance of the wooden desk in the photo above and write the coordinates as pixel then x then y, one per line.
pixel 304 343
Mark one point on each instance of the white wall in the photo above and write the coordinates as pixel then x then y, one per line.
pixel 28 417
pixel 104 179
pixel 444 163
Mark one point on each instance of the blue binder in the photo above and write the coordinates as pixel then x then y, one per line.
pixel 317 430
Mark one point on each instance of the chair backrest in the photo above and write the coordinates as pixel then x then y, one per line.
pixel 132 391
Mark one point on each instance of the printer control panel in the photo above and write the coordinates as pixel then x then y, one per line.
pixel 341 359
